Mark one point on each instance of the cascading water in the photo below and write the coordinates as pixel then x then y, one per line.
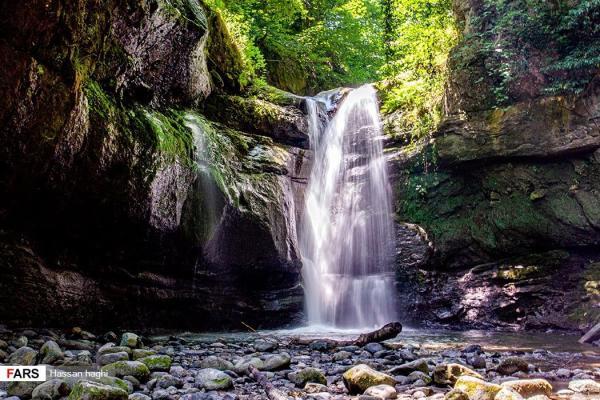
pixel 347 238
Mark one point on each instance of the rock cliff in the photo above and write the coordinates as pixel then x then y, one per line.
pixel 507 190
pixel 127 199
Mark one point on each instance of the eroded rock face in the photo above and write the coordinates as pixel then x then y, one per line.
pixel 506 193
pixel 113 213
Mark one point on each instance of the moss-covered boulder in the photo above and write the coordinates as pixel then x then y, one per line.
pixel 88 390
pixel 307 375
pixel 116 382
pixel 361 377
pixel 120 369
pixel 50 353
pixel 129 339
pixel 213 379
pixel 157 362
pixel 477 389
pixel 22 356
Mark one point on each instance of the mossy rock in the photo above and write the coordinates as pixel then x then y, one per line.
pixel 116 382
pixel 141 353
pixel 477 389
pixel 157 362
pixel 88 390
pixel 22 390
pixel 448 374
pixel 120 369
pixel 361 377
pixel 307 375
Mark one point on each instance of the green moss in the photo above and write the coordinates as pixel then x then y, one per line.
pixel 163 132
pixel 157 362
pixel 87 390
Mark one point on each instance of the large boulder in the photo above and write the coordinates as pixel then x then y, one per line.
pixel 213 379
pixel 361 377
pixel 477 389
pixel 121 369
pixel 88 390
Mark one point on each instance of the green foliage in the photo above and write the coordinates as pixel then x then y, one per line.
pixel 556 41
pixel 422 34
pixel 306 47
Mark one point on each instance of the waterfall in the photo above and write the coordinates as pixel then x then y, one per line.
pixel 347 239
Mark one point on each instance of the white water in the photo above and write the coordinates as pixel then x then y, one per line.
pixel 347 239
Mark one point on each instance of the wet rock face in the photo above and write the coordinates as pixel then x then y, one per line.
pixel 111 216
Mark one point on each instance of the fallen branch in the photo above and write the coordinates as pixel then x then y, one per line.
pixel 388 331
pixel 272 392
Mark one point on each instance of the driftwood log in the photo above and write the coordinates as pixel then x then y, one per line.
pixel 388 331
pixel 592 335
pixel 272 392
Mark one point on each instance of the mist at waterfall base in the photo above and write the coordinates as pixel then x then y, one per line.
pixel 346 237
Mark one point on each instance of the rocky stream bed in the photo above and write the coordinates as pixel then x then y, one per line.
pixel 304 364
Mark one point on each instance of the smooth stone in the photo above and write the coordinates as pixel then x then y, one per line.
pixel 508 394
pixel 312 387
pixel 276 362
pixel 112 348
pixel 448 374
pixel 563 373
pixel 320 345
pixel 477 362
pixel 477 389
pixel 585 386
pixel 109 358
pixel 120 369
pixel 241 367
pixel 529 387
pixel 306 375
pixel 22 390
pixel 213 379
pixel 166 381
pixel 361 377
pixel 88 390
pixel 141 353
pixel 407 368
pixel 373 347
pixel 51 353
pixel 51 390
pixel 130 339
pixel 216 363
pixel 342 355
pixel 510 365
pixel 265 345
pixel 22 356
pixel 381 392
